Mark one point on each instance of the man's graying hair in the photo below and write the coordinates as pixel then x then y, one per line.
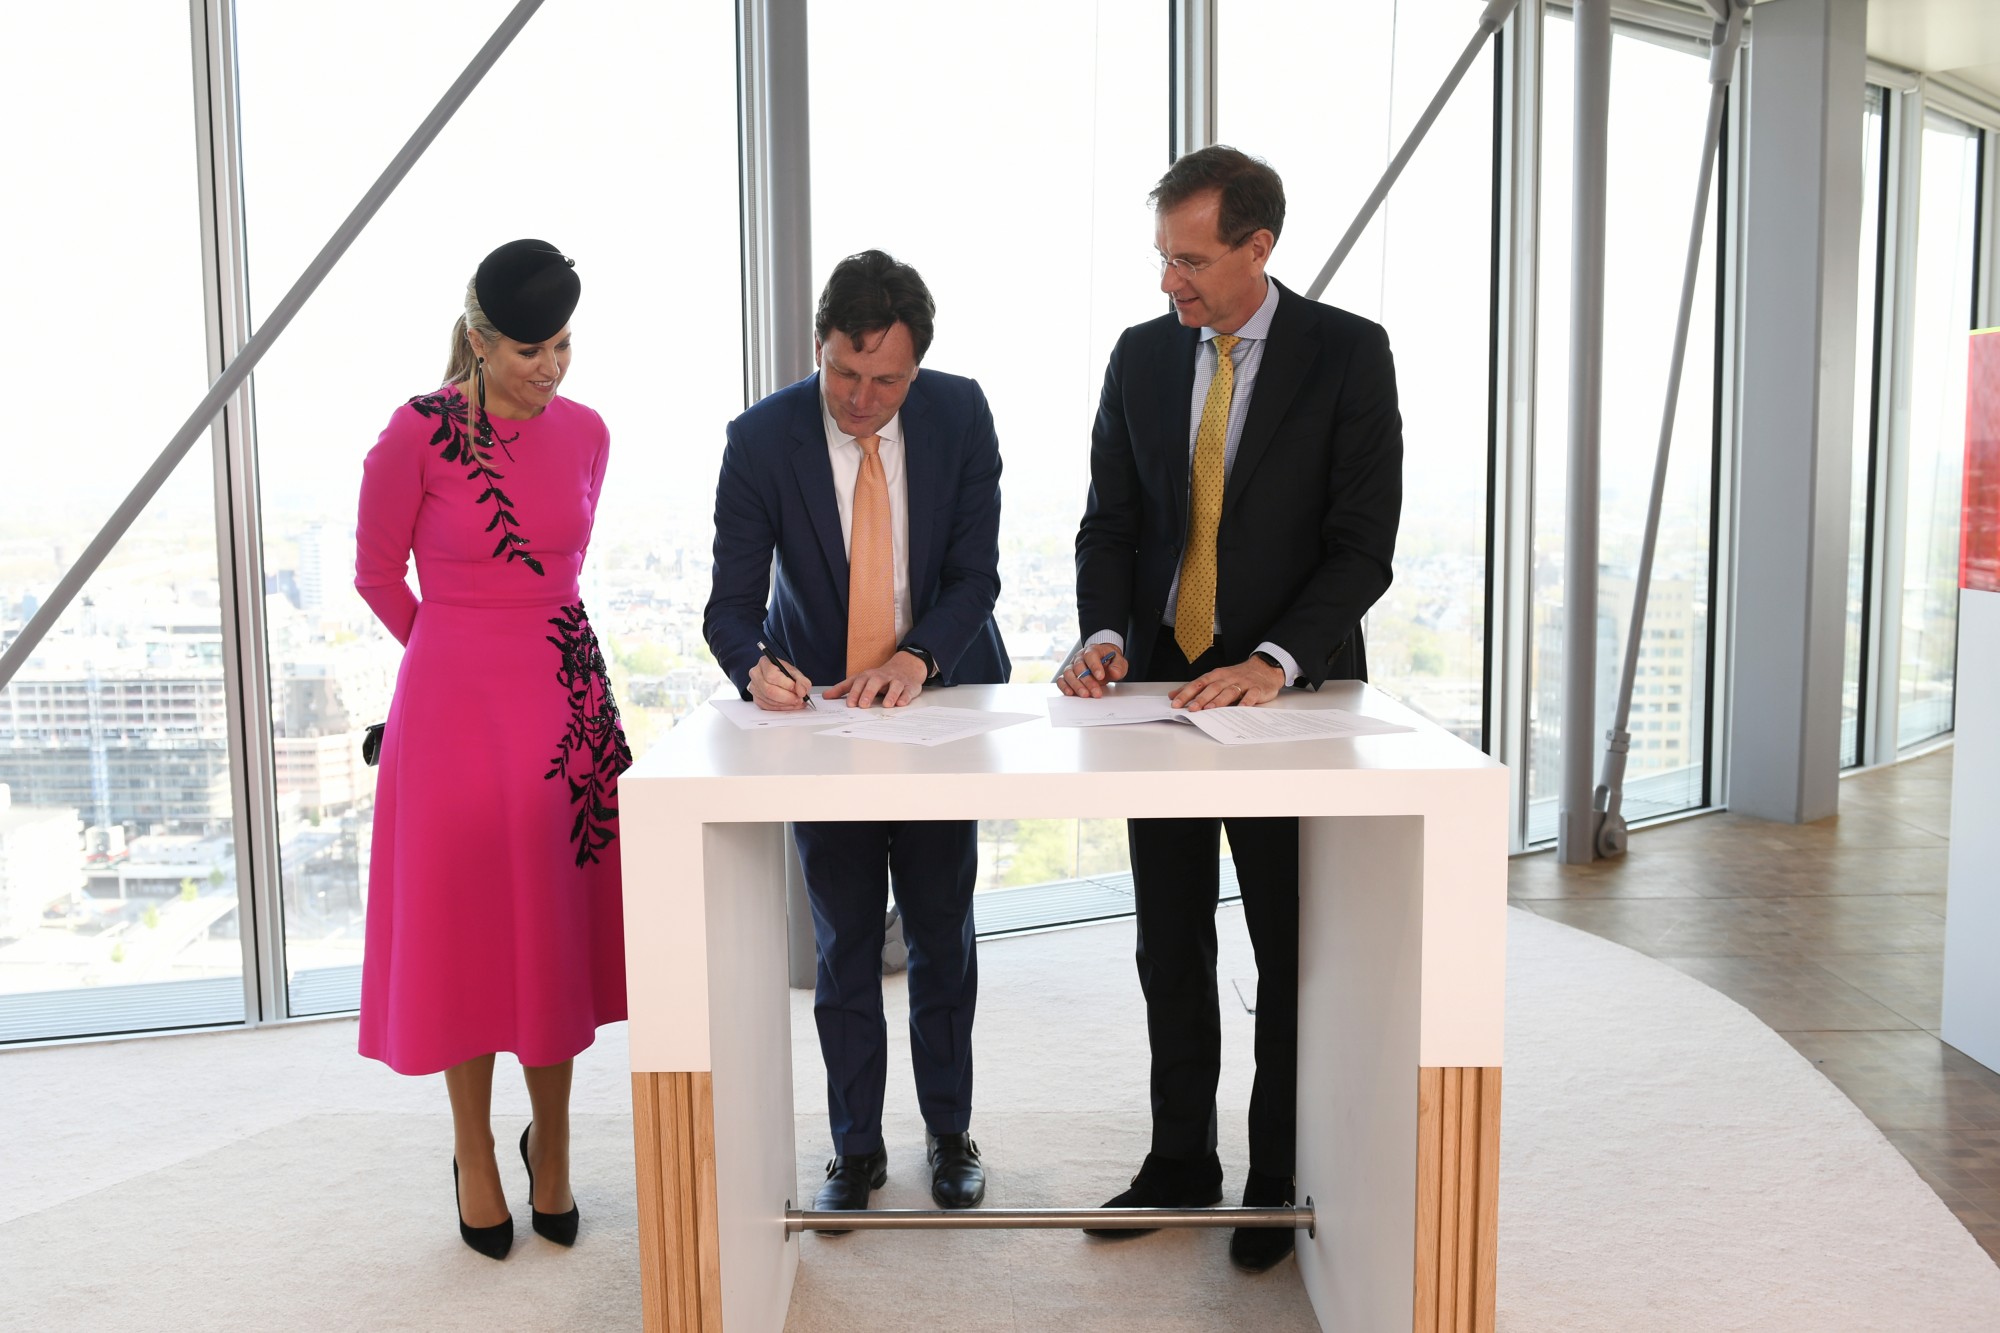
pixel 1253 198
pixel 869 292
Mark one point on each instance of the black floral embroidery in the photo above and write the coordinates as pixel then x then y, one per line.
pixel 463 446
pixel 593 730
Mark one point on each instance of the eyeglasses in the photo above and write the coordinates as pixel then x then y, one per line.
pixel 1187 268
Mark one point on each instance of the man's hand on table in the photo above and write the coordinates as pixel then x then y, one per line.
pixel 1250 683
pixel 897 682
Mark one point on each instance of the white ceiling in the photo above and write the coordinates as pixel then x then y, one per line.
pixel 1956 37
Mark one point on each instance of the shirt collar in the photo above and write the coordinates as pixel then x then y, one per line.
pixel 1258 326
pixel 836 437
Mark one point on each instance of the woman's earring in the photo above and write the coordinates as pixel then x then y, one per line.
pixel 484 425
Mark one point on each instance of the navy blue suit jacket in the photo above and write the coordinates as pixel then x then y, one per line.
pixel 776 495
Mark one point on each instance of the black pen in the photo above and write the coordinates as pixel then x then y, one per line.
pixel 778 660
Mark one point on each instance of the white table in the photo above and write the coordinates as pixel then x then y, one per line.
pixel 1402 924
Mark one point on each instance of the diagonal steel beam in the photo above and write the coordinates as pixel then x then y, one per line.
pixel 239 368
pixel 1495 14
pixel 1607 801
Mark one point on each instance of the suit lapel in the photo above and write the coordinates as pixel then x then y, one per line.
pixel 921 467
pixel 1288 355
pixel 814 470
pixel 1178 390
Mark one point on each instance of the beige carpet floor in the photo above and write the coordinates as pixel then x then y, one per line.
pixel 1668 1163
pixel 1061 1122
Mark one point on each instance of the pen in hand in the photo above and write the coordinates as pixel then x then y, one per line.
pixel 777 660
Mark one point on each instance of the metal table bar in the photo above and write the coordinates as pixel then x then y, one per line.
pixel 973 1219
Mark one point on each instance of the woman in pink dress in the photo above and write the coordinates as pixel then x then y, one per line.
pixel 494 916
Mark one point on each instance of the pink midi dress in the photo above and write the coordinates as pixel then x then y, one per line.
pixel 495 921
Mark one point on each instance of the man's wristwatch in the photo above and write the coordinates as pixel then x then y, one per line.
pixel 1269 660
pixel 930 663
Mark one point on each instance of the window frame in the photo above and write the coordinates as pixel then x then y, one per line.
pixel 1907 100
pixel 1519 56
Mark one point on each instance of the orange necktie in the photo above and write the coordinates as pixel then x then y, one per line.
pixel 871 566
pixel 1194 608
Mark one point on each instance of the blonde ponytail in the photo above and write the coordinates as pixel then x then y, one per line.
pixel 463 360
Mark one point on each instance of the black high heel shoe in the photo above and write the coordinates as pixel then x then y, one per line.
pixel 493 1241
pixel 558 1227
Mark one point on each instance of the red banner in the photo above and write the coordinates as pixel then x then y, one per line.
pixel 1979 541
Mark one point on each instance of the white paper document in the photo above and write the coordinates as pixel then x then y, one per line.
pixel 748 716
pixel 1111 711
pixel 1262 726
pixel 925 726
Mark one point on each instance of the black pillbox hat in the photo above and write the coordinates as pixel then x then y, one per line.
pixel 528 289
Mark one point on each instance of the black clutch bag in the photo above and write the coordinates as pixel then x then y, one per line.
pixel 371 744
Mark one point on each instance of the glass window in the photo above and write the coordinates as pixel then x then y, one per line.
pixel 1018 190
pixel 632 171
pixel 1423 269
pixel 1659 109
pixel 118 896
pixel 1867 366
pixel 1947 235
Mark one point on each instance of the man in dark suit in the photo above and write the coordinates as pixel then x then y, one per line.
pixel 1246 482
pixel 878 492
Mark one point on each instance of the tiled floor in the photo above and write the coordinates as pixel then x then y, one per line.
pixel 1833 933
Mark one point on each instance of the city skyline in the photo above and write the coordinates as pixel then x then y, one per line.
pixel 158 903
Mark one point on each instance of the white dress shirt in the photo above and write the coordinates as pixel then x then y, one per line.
pixel 846 457
pixel 1247 356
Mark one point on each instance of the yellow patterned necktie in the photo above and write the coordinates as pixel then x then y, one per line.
pixel 1194 609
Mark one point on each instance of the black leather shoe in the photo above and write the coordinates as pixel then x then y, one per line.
pixel 848 1182
pixel 558 1227
pixel 1257 1249
pixel 957 1178
pixel 493 1241
pixel 1165 1182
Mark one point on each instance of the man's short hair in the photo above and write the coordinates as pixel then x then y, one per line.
pixel 869 292
pixel 1253 198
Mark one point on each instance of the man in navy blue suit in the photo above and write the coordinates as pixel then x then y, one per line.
pixel 878 492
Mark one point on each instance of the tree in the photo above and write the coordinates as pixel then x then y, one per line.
pixel 188 891
pixel 1101 847
pixel 642 658
pixel 1044 851
pixel 151 917
pixel 642 727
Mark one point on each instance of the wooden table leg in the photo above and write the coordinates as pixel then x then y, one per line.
pixel 1402 937
pixel 1458 1199
pixel 680 1269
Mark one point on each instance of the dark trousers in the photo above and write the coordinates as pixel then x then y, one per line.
pixel 850 870
pixel 1175 879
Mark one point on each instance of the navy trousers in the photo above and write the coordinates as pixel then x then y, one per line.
pixel 850 870
pixel 1176 881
